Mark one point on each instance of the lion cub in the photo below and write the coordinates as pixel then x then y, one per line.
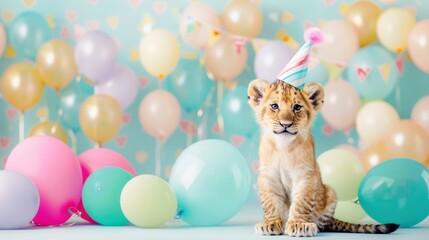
pixel 294 199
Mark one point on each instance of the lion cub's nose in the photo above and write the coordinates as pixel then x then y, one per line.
pixel 286 124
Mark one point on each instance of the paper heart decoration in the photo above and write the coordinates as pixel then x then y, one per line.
pixel 79 31
pixel 11 113
pixel 134 3
pixel 237 140
pixel 144 81
pixel 71 15
pixel 4 142
pixel 188 127
pixel 159 7
pixel 121 141
pixel 93 24
pixel 65 32
pixel 327 130
pixel 126 118
pixel 255 166
pixel 328 2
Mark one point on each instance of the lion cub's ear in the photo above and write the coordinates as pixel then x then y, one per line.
pixel 256 91
pixel 315 94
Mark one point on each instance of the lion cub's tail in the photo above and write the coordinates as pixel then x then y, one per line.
pixel 340 226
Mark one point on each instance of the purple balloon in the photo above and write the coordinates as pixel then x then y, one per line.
pixel 271 59
pixel 95 54
pixel 19 200
pixel 120 83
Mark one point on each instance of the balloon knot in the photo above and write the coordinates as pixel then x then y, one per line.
pixel 313 35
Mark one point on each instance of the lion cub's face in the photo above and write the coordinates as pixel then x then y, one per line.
pixel 284 109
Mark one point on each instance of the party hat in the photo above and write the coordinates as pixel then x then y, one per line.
pixel 295 71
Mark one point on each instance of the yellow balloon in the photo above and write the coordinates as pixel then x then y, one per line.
pixel 243 17
pixel 364 15
pixel 159 52
pixel 51 129
pixel 393 28
pixel 348 211
pixel 100 118
pixel 21 86
pixel 56 64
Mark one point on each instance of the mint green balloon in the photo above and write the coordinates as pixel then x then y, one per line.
pixel 319 73
pixel 211 180
pixel 237 114
pixel 396 191
pixel 101 195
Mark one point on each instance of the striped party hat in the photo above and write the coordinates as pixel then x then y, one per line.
pixel 295 71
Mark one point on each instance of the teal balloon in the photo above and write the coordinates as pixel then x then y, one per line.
pixel 396 191
pixel 373 72
pixel 101 195
pixel 237 114
pixel 28 32
pixel 211 180
pixel 72 98
pixel 318 73
pixel 190 84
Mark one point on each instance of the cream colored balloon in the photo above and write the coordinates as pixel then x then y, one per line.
pixel 243 17
pixel 51 129
pixel 159 52
pixel 374 120
pixel 22 86
pixel 393 28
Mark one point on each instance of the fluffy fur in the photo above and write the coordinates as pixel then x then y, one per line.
pixel 294 199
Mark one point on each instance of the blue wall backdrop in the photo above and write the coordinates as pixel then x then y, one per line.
pixel 127 21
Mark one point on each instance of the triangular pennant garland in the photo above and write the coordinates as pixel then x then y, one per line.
pixel 362 72
pixel 400 65
pixel 384 72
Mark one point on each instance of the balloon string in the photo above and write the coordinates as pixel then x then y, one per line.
pixel 71 211
pixel 158 148
pixel 73 140
pixel 21 126
pixel 203 114
pixel 218 105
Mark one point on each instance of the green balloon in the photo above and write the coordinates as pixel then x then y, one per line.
pixel 148 201
pixel 343 171
pixel 349 212
pixel 101 195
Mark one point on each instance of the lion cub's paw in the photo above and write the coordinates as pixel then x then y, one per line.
pixel 272 227
pixel 300 229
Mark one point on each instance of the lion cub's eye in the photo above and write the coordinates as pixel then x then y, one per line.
pixel 297 107
pixel 274 106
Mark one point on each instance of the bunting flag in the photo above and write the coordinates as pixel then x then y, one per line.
pixel 213 37
pixel 400 64
pixel 362 72
pixel 384 70
pixel 257 44
pixel 239 42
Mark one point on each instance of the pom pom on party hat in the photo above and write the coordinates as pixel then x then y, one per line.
pixel 295 71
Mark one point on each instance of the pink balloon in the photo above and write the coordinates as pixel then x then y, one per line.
pixel 340 42
pixel 196 23
pixel 342 103
pixel 55 170
pixel 95 159
pixel 420 113
pixel 159 114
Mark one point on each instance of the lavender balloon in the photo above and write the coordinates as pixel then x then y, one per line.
pixel 95 54
pixel 19 200
pixel 271 59
pixel 120 83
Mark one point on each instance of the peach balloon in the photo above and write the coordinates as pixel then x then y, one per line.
pixel 342 103
pixel 224 60
pixel 393 28
pixel 350 148
pixel 373 155
pixel 159 114
pixel 420 113
pixel 243 17
pixel 159 52
pixel 56 64
pixel 100 118
pixel 374 120
pixel 340 42
pixel 22 86
pixel 418 45
pixel 406 139
pixel 51 129
pixel 2 39
pixel 364 15
pixel 196 23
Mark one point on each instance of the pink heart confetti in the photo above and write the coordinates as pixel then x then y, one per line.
pixel 93 1
pixel 159 7
pixel 400 65
pixel 328 130
pixel 126 118
pixel 216 129
pixel 79 31
pixel 134 3
pixel 11 113
pixel 4 142
pixel 121 140
pixel 328 2
pixel 65 32
pixel 144 81
pixel 188 127
pixel 237 140
pixel 255 166
pixel 93 25
pixel 71 15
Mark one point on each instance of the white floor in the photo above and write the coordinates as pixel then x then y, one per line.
pixel 240 227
